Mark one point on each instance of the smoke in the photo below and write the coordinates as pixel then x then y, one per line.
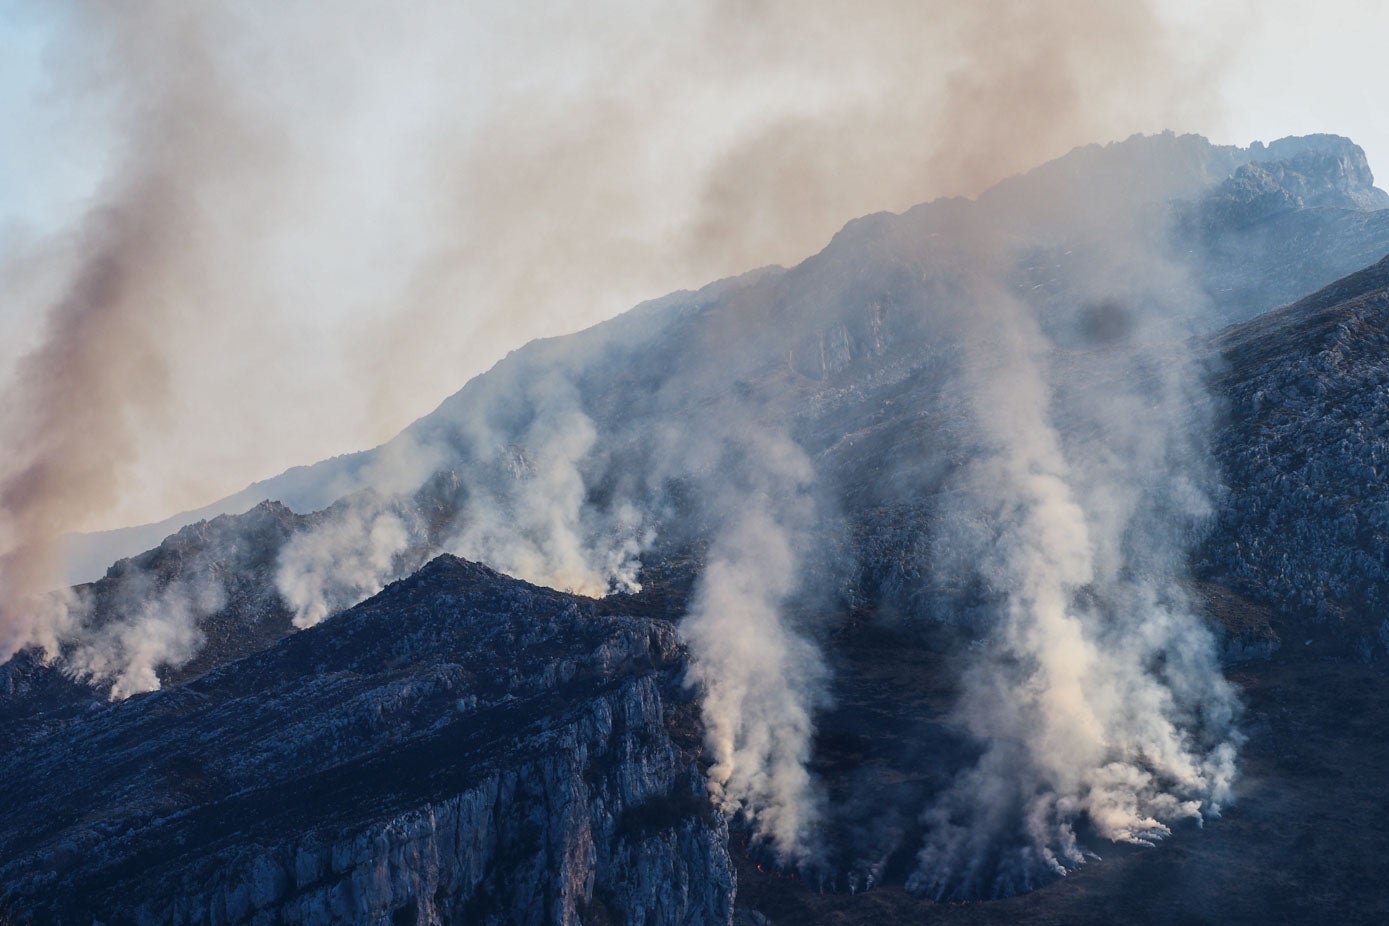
pixel 529 511
pixel 1097 697
pixel 512 484
pixel 382 203
pixel 761 675
pixel 426 190
pixel 379 204
pixel 77 403
pixel 1074 719
pixel 353 550
pixel 155 628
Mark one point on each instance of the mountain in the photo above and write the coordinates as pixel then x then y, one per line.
pixel 327 778
pixel 1254 227
pixel 1306 519
pixel 461 748
pixel 313 756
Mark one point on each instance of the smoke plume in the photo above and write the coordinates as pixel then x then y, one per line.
pixel 155 628
pixel 138 267
pixel 383 203
pixel 528 510
pixel 415 194
pixel 1096 696
pixel 514 488
pixel 761 675
pixel 1074 720
pixel 356 547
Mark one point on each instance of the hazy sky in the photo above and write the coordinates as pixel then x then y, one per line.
pixel 381 199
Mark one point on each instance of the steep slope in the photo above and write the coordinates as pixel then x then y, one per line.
pixel 144 616
pixel 1306 519
pixel 461 748
pixel 330 775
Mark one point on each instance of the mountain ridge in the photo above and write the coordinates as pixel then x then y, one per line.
pixel 334 770
pixel 314 486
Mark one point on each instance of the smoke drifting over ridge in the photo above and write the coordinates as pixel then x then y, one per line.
pixel 558 190
pixel 77 405
pixel 527 510
pixel 445 185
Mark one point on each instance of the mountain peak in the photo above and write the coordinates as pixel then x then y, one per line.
pixel 1307 172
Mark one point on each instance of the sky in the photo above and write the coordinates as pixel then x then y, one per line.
pixel 367 204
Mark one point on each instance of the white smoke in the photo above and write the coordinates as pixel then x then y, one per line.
pixel 762 677
pixel 528 511
pixel 350 554
pixel 153 629
pixel 521 505
pixel 1098 697
pixel 56 618
pixel 761 682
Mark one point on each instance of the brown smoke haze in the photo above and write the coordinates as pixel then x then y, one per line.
pixel 318 221
pixel 140 266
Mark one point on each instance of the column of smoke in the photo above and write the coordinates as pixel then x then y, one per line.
pixel 370 537
pixel 121 289
pixel 523 507
pixel 1097 695
pixel 528 511
pixel 356 548
pixel 154 629
pixel 761 675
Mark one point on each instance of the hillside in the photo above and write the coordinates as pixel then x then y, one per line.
pixel 1025 555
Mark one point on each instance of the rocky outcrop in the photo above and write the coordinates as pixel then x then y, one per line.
pixel 1315 172
pixel 463 748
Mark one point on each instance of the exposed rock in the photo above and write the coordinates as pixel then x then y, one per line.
pixel 1304 526
pixel 1314 172
pixel 461 748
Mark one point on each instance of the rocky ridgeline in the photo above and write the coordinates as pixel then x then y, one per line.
pixel 463 747
pixel 231 558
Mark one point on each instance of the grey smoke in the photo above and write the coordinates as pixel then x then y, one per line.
pixel 382 203
pixel 154 629
pixel 1097 695
pixel 528 511
pixel 759 670
pixel 1026 76
pixel 566 206
pixel 520 502
pixel 355 548
pixel 78 403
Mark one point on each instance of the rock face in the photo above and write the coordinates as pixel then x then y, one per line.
pixel 462 748
pixel 1314 172
pixel 1305 524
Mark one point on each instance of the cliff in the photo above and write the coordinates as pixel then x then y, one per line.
pixel 461 748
